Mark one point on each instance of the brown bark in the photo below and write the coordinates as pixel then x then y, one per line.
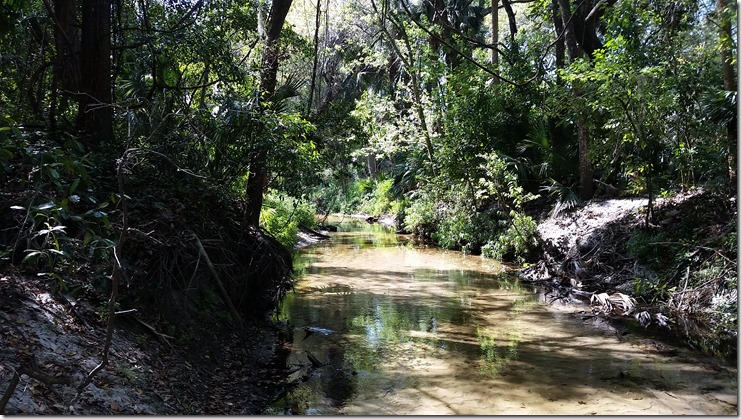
pixel 66 65
pixel 511 18
pixel 95 117
pixel 316 56
pixel 585 26
pixel 560 45
pixel 258 177
pixel 586 174
pixel 569 35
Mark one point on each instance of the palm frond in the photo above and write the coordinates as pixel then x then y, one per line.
pixel 566 197
pixel 290 88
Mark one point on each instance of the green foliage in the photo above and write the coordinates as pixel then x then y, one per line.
pixel 516 242
pixel 566 197
pixel 653 249
pixel 282 215
pixel 467 231
pixel 379 200
pixel 65 218
pixel 486 217
pixel 478 121
pixel 501 184
pixel 421 216
pixel 646 93
pixel 651 291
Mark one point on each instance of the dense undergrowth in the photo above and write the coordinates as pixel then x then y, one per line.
pixel 61 216
pixel 691 267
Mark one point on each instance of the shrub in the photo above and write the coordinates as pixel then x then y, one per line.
pixel 378 199
pixel 282 215
pixel 421 217
pixel 516 242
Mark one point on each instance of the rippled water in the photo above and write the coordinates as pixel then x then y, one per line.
pixel 378 326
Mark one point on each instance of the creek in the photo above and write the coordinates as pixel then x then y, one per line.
pixel 379 326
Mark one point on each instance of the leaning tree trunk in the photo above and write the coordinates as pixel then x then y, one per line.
pixel 316 56
pixel 407 61
pixel 511 20
pixel 95 114
pixel 258 177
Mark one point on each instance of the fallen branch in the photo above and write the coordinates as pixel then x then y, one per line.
pixel 314 361
pixel 9 391
pixel 314 232
pixel 160 336
pixel 224 294
pixel 32 372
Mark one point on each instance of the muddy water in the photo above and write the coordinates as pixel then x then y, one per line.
pixel 380 327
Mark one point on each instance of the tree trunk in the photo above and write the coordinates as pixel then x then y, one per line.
pixel 66 67
pixel 258 177
pixel 586 175
pixel 729 80
pixel 569 35
pixel 95 115
pixel 560 45
pixel 495 37
pixel 511 18
pixel 316 56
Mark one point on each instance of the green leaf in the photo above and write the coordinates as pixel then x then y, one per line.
pixel 32 254
pixel 73 186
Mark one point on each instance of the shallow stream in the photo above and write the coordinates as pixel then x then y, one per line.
pixel 378 326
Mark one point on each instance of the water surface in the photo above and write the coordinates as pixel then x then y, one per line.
pixel 379 326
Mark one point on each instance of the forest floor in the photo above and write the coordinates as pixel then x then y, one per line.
pixel 51 342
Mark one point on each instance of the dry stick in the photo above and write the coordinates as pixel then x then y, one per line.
pixel 32 373
pixel 224 294
pixel 117 273
pixel 9 391
pixel 160 336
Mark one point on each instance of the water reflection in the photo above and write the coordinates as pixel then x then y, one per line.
pixel 422 331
